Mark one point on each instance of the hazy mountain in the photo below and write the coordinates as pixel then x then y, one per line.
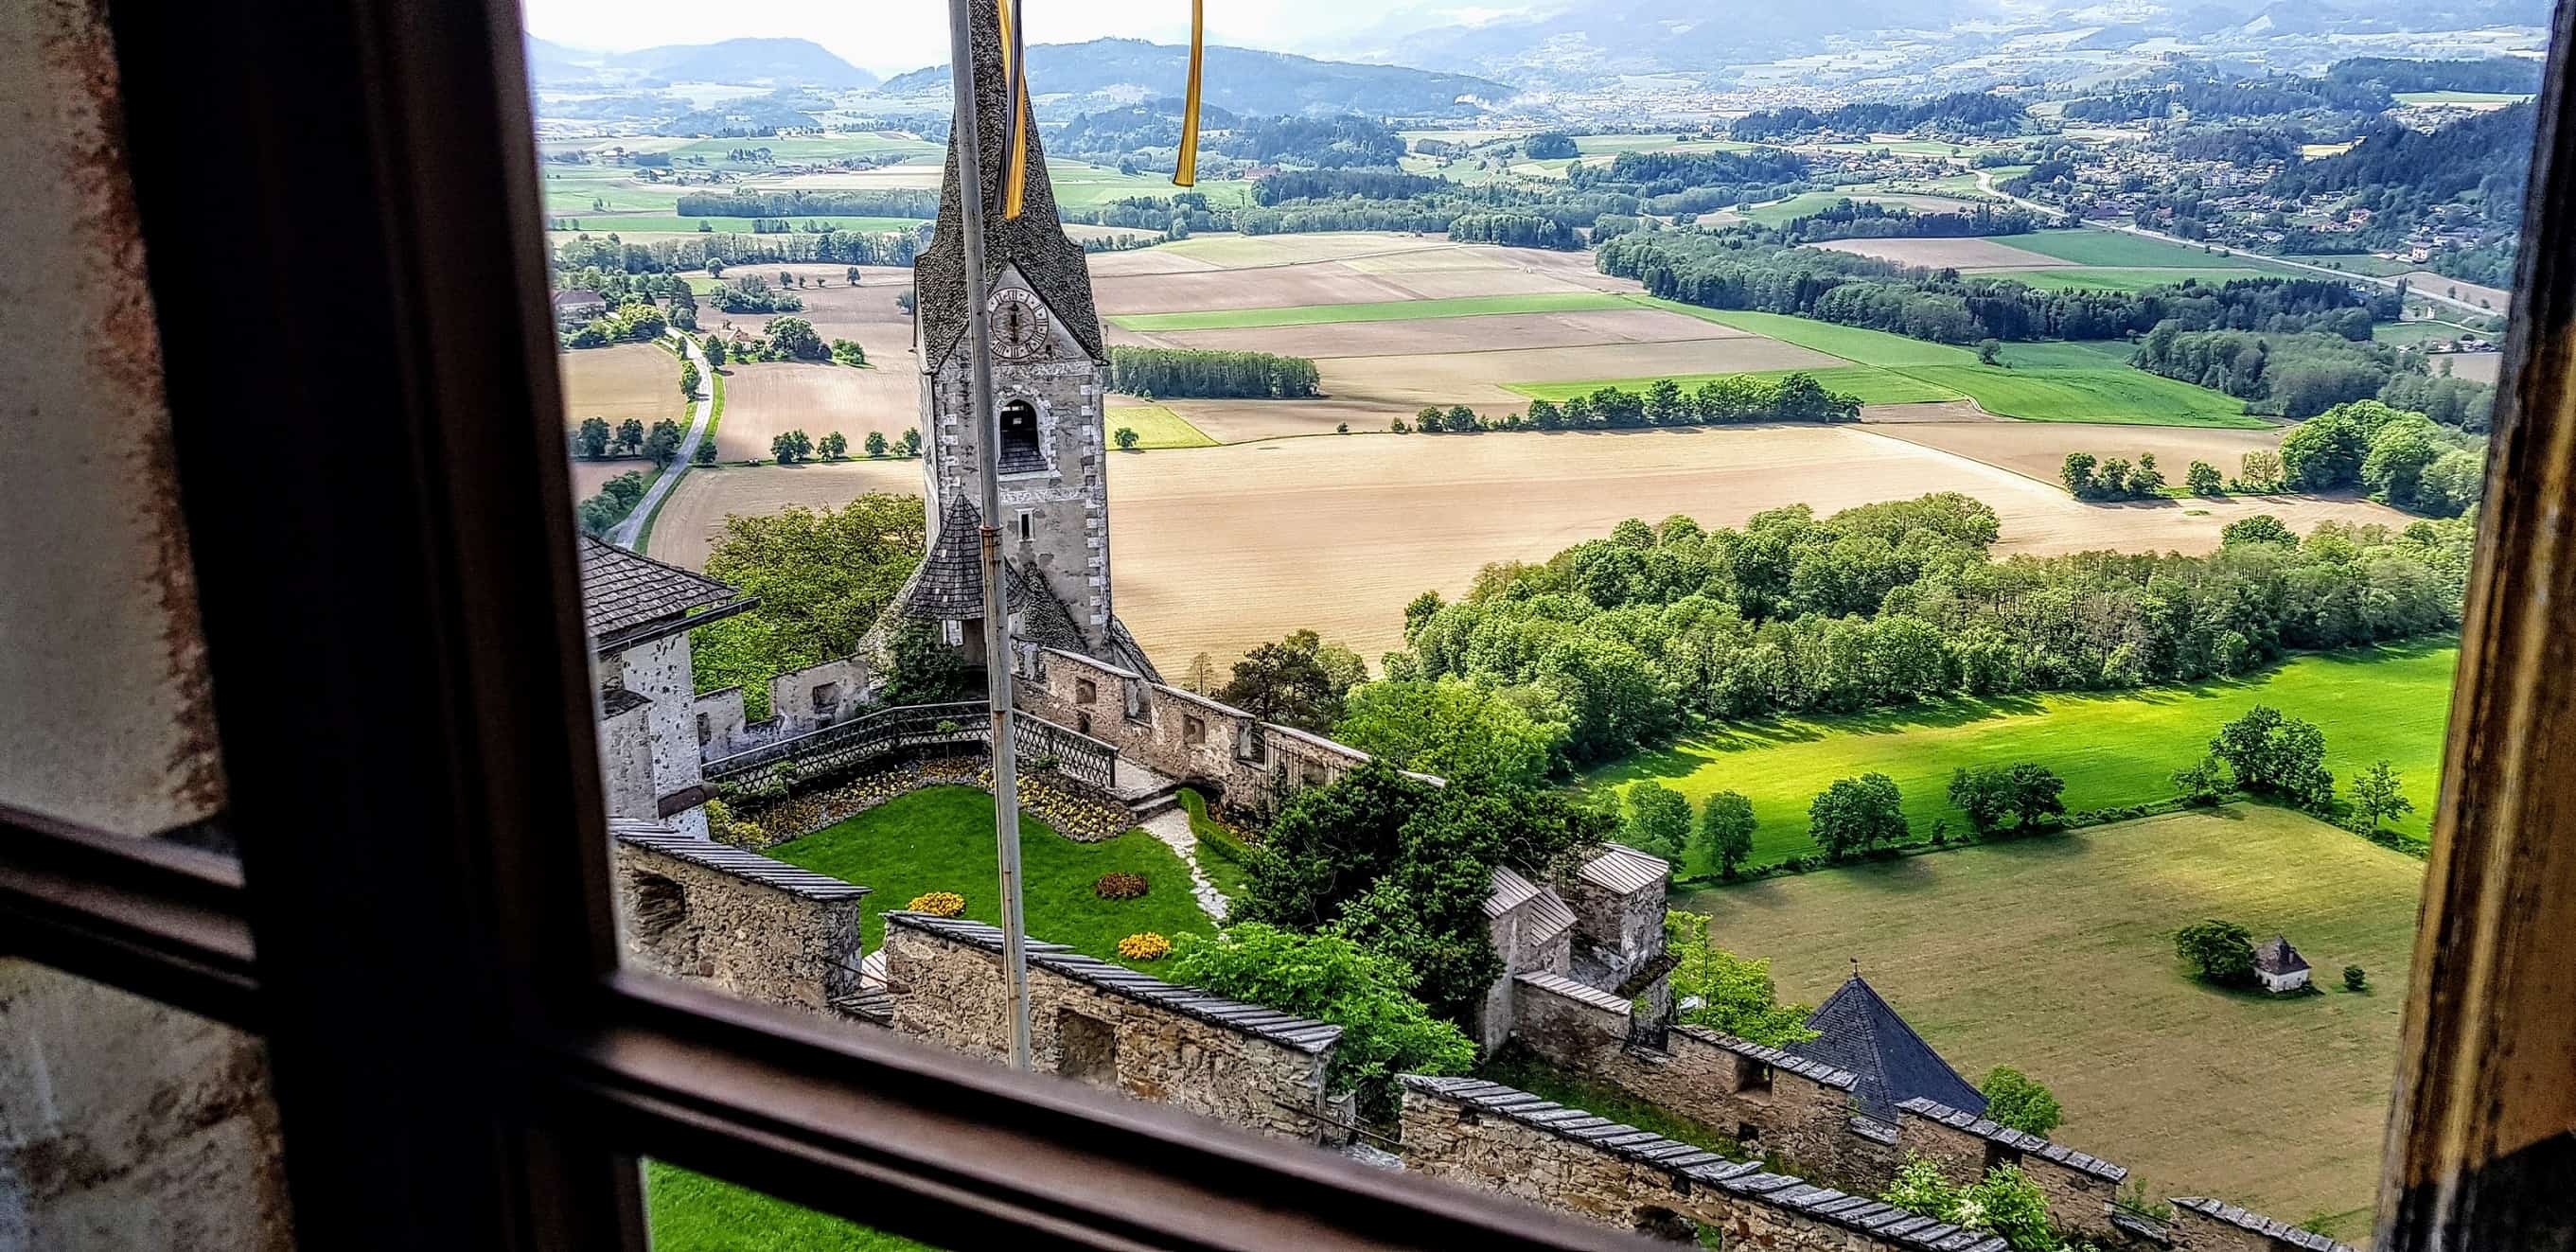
pixel 1108 73
pixel 735 62
pixel 549 60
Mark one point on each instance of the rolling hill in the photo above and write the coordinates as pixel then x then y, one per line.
pixel 1107 73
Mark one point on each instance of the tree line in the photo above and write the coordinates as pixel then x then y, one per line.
pixel 921 202
pixel 2299 375
pixel 1616 642
pixel 1152 372
pixel 719 248
pixel 1980 113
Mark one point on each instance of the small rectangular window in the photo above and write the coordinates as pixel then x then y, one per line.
pixel 1026 528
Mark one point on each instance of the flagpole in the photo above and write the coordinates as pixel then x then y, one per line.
pixel 997 624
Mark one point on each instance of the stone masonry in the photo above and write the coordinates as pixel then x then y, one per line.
pixel 748 926
pixel 1497 1139
pixel 2080 1188
pixel 2205 1225
pixel 1250 762
pixel 1117 1029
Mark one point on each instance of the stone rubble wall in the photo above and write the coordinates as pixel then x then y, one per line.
pixel 953 993
pixel 845 684
pixel 2077 1200
pixel 740 937
pixel 1252 764
pixel 626 763
pixel 723 728
pixel 1625 930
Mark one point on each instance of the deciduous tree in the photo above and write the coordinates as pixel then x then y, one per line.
pixel 2018 1101
pixel 1658 819
pixel 1726 828
pixel 2220 952
pixel 1857 815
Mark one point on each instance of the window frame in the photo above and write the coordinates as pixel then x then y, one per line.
pixel 402 687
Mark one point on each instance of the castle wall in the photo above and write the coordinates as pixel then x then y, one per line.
pixel 2079 1188
pixel 822 695
pixel 2200 1224
pixel 626 762
pixel 1509 1143
pixel 763 930
pixel 660 672
pixel 720 723
pixel 951 991
pixel 1180 735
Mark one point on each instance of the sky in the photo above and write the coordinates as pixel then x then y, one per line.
pixel 891 36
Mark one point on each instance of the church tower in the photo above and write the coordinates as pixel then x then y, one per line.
pixel 1050 380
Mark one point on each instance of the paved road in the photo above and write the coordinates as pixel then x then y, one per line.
pixel 625 532
pixel 1986 181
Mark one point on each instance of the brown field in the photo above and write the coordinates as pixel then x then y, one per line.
pixel 2038 449
pixel 1402 384
pixel 588 476
pixel 1279 271
pixel 766 399
pixel 2443 285
pixel 621 381
pixel 2484 367
pixel 1445 335
pixel 1960 254
pixel 1216 549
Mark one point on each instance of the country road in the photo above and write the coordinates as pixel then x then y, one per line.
pixel 625 533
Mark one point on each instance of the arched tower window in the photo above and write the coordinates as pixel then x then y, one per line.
pixel 1019 452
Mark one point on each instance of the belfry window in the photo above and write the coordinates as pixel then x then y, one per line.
pixel 1019 452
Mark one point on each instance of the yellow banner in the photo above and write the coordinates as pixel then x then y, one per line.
pixel 1187 172
pixel 1015 175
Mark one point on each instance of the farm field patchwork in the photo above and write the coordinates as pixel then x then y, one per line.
pixel 2112 748
pixel 1871 384
pixel 1804 203
pixel 2055 956
pixel 2037 450
pixel 1965 255
pixel 769 398
pixel 1441 336
pixel 1373 311
pixel 626 224
pixel 941 839
pixel 1156 427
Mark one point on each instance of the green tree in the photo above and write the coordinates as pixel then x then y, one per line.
pixel 1990 352
pixel 791 446
pixel 1726 830
pixel 852 275
pixel 2202 479
pixel 1736 995
pixel 2260 528
pixel 2399 455
pixel 2377 797
pixel 593 437
pixel 1857 815
pixel 2276 755
pixel 2259 470
pixel 706 453
pixel 1658 820
pixel 662 443
pixel 2078 475
pixel 689 379
pixel 712 348
pixel 833 446
pixel 1450 728
pixel 2220 952
pixel 849 352
pixel 2005 1202
pixel 1330 978
pixel 1985 795
pixel 2038 794
pixel 794 338
pixel 2206 781
pixel 2324 452
pixel 911 442
pixel 2146 480
pixel 920 667
pixel 822 579
pixel 630 434
pixel 1298 681
pixel 1126 438
pixel 1201 676
pixel 875 444
pixel 2018 1101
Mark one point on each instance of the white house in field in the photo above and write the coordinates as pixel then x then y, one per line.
pixel 2280 966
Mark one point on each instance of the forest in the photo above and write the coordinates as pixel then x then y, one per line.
pixel 2208 97
pixel 921 202
pixel 1959 113
pixel 1623 640
pixel 2391 74
pixel 1167 372
pixel 2301 375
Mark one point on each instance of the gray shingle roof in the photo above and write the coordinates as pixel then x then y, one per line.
pixel 1300 1033
pixel 1812 1070
pixel 2028 1144
pixel 1747 1179
pixel 1559 984
pixel 749 866
pixel 2276 956
pixel 1054 265
pixel 1623 869
pixel 627 598
pixel 1862 1033
pixel 949 586
pixel 2269 1228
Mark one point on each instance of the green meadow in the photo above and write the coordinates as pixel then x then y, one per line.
pixel 1158 427
pixel 1869 384
pixel 2112 748
pixel 2119 250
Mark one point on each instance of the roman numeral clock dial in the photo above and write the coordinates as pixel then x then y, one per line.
pixel 1019 324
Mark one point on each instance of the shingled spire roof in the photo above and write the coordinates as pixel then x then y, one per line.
pixel 950 584
pixel 1861 1032
pixel 1054 265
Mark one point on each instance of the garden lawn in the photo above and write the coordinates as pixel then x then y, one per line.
pixel 2104 279
pixel 2119 248
pixel 690 1212
pixel 1375 311
pixel 2055 956
pixel 1158 427
pixel 2113 749
pixel 941 839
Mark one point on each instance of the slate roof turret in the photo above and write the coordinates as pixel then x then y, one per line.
pixel 1860 1032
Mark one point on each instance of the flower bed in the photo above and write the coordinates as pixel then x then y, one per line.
pixel 1077 812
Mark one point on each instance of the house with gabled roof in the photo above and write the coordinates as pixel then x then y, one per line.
pixel 2280 966
pixel 653 725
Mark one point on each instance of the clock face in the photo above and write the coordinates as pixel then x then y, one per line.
pixel 1019 324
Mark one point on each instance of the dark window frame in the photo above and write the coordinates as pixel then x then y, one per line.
pixel 458 1060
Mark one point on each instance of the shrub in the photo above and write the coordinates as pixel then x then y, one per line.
pixel 2355 978
pixel 1118 886
pixel 938 903
pixel 2016 1100
pixel 2221 952
pixel 1146 946
pixel 724 827
pixel 1127 438
pixel 1328 977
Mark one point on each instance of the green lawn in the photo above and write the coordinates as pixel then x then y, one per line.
pixel 1376 311
pixel 2070 354
pixel 2119 249
pixel 2055 956
pixel 1158 427
pixel 2105 279
pixel 1852 343
pixel 2362 263
pixel 2112 749
pixel 2421 332
pixel 690 1212
pixel 602 224
pixel 1223 857
pixel 1810 202
pixel 941 839
pixel 1871 384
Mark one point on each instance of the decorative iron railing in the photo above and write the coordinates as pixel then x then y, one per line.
pixel 908 729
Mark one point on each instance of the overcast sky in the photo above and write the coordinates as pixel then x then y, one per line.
pixel 890 38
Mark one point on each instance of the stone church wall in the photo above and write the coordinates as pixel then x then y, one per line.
pixel 1254 764
pixel 1102 1024
pixel 738 922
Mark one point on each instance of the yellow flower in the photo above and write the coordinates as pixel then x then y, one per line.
pixel 938 904
pixel 1145 947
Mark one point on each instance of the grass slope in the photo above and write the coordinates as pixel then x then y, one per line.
pixel 941 839
pixel 2112 749
pixel 1374 311
pixel 2120 249
pixel 1158 427
pixel 690 1212
pixel 2056 956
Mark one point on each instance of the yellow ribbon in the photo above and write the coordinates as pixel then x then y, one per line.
pixel 1186 173
pixel 1015 179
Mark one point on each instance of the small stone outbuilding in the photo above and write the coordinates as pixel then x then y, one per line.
pixel 2280 966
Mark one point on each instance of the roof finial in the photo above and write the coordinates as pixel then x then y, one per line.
pixel 1855 966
